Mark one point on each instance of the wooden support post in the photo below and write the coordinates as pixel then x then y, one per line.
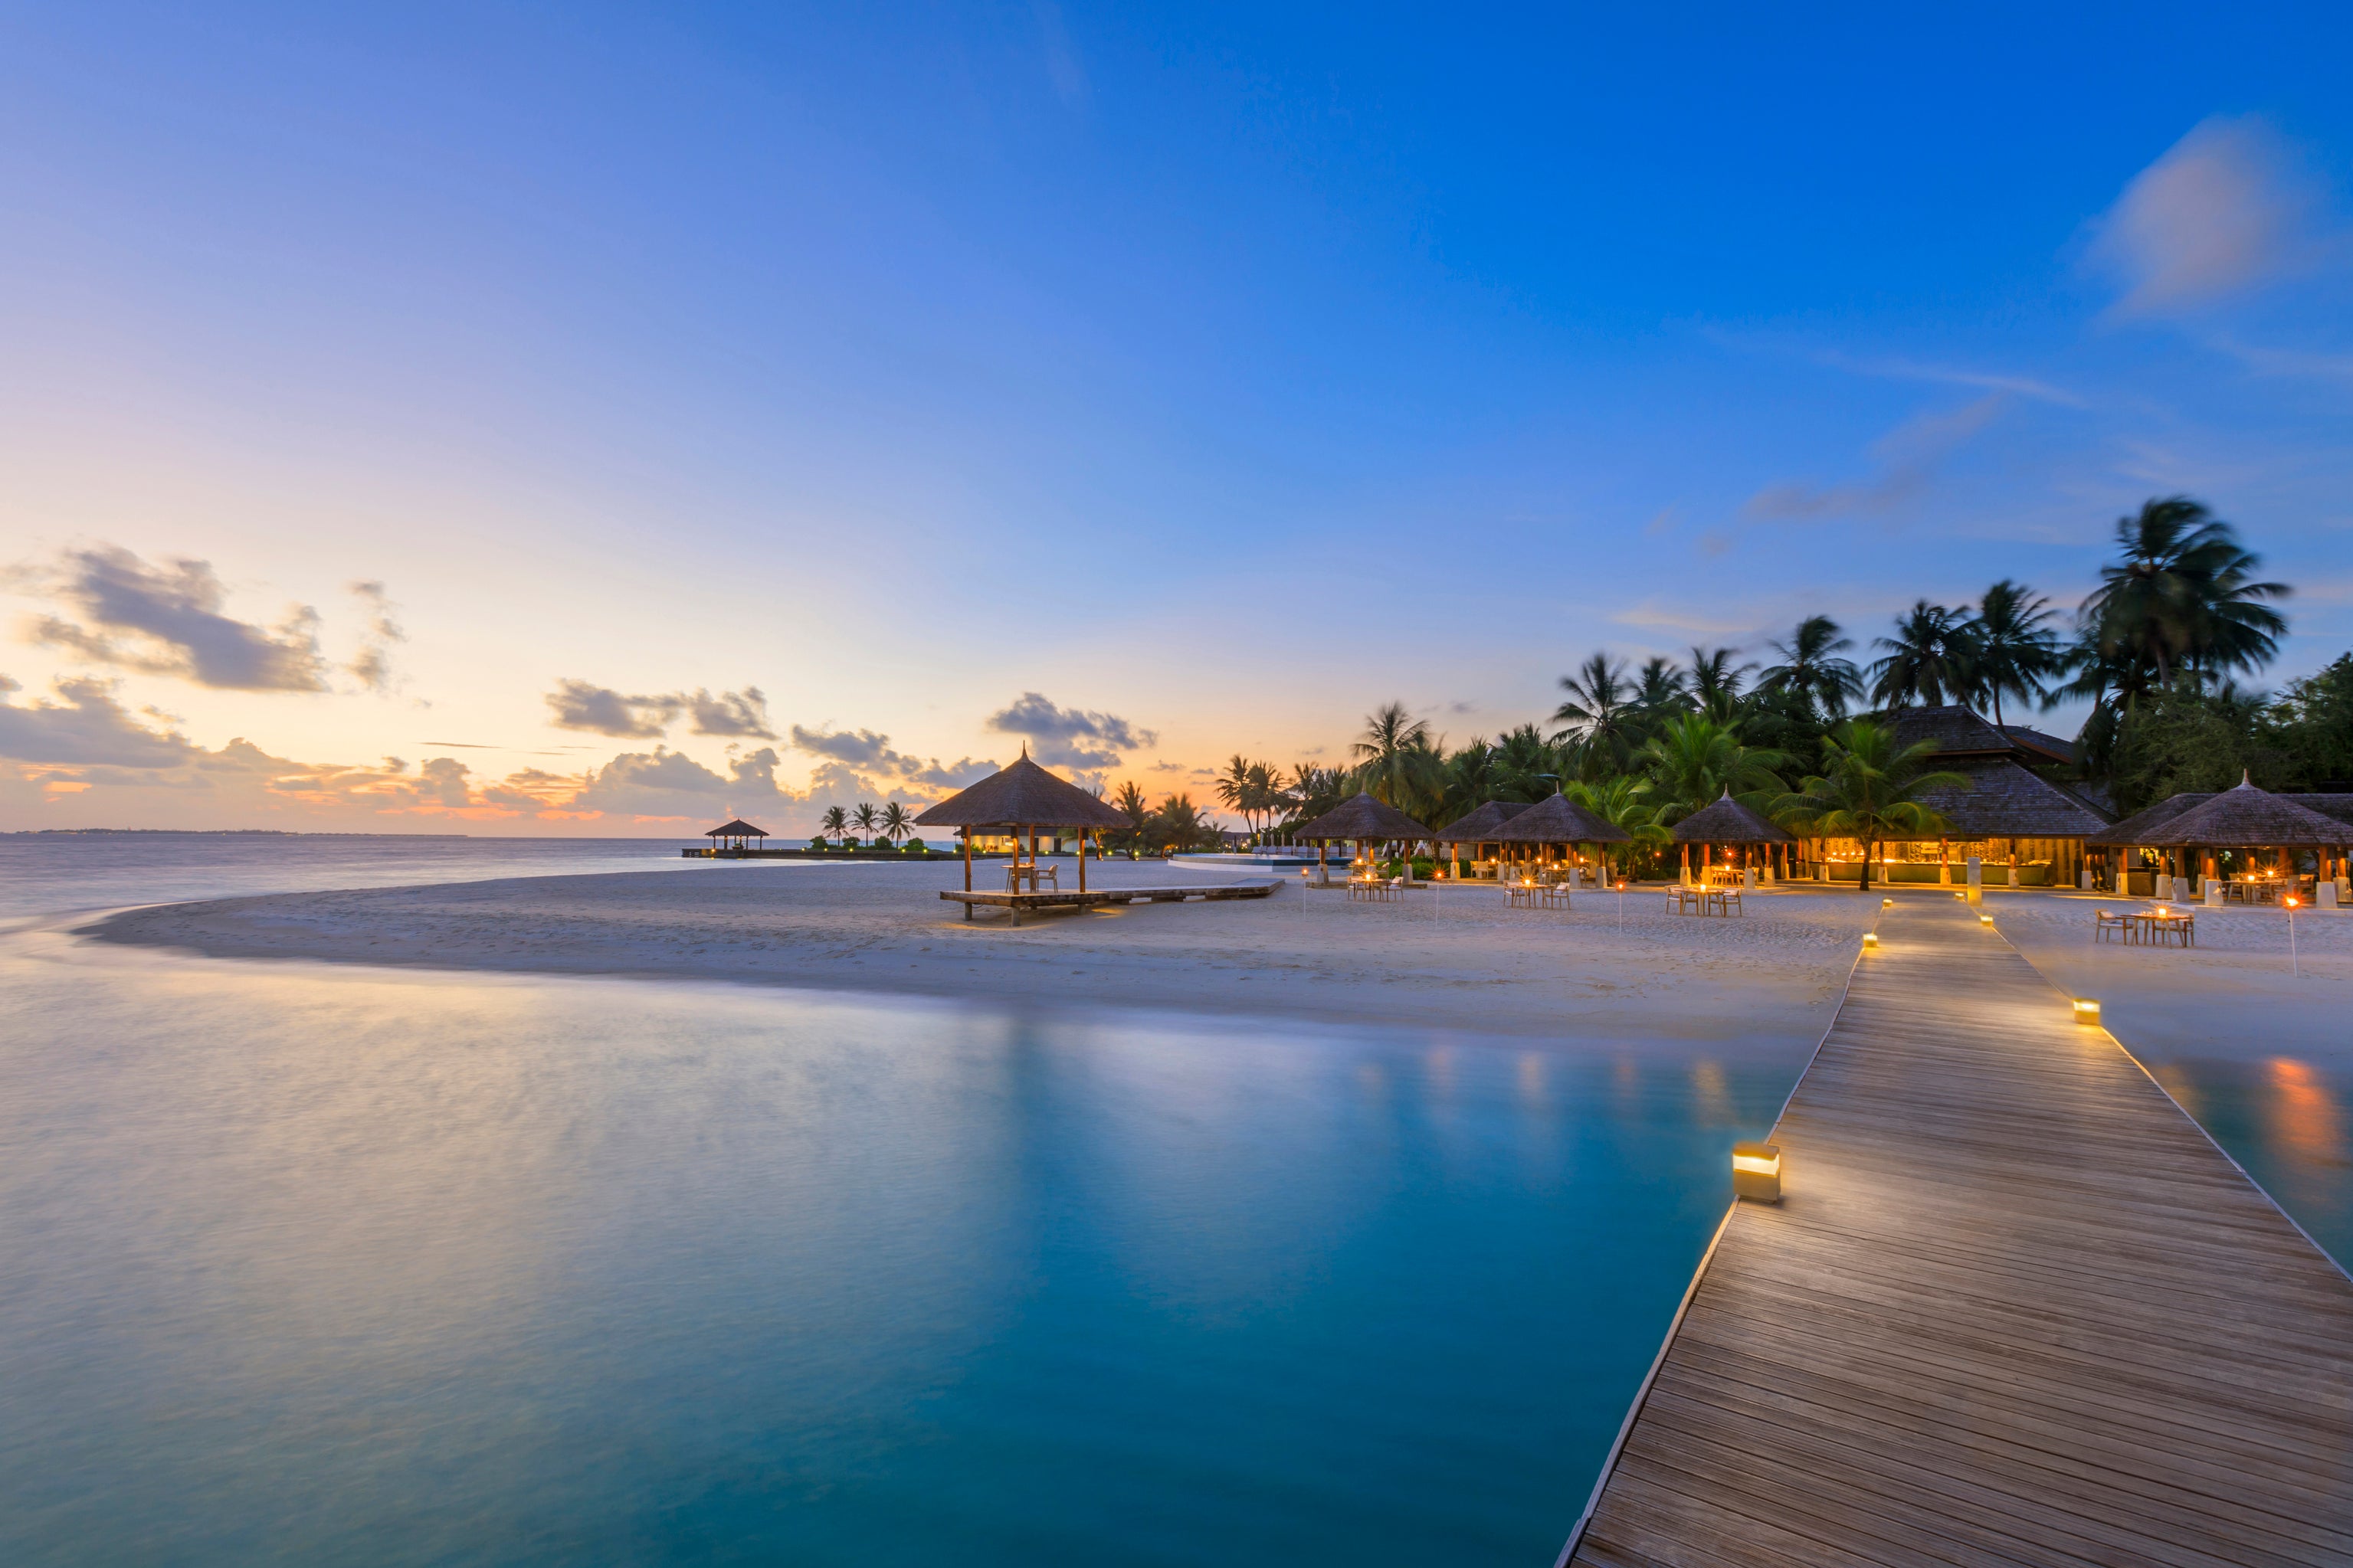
pixel 1083 860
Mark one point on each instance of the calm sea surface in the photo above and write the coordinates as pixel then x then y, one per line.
pixel 310 1263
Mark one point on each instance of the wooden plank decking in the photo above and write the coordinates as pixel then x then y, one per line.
pixel 1015 904
pixel 2014 1308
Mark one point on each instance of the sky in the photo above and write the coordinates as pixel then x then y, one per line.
pixel 598 419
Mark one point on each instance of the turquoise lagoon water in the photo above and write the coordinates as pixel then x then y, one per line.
pixel 321 1264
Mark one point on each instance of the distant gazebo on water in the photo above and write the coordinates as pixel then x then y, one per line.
pixel 736 835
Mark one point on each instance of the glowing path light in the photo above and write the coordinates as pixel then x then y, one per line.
pixel 1756 1172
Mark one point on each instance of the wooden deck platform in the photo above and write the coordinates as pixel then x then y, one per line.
pixel 2014 1307
pixel 1015 904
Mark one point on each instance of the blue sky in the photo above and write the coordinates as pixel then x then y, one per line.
pixel 1143 386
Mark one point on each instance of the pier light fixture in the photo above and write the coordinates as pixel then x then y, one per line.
pixel 1871 941
pixel 1887 903
pixel 2087 1010
pixel 1756 1172
pixel 1984 920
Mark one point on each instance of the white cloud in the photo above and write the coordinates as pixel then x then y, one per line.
pixel 1907 457
pixel 601 711
pixel 372 664
pixel 89 728
pixel 173 619
pixel 2224 210
pixel 1070 737
pixel 861 761
pixel 744 713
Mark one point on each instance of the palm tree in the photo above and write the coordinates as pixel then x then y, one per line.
pixel 1130 803
pixel 1314 790
pixel 1694 759
pixel 1659 692
pixel 1178 826
pixel 1716 681
pixel 1623 801
pixel 1526 767
pixel 1811 668
pixel 2181 596
pixel 896 823
pixel 2014 651
pixel 1599 712
pixel 1928 659
pixel 1869 790
pixel 1251 789
pixel 1399 766
pixel 865 819
pixel 835 823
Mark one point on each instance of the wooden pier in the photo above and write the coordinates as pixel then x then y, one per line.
pixel 1017 904
pixel 2014 1307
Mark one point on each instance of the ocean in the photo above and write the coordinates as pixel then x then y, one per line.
pixel 321 1263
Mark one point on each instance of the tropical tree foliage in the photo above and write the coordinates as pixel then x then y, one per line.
pixel 2180 597
pixel 866 818
pixel 836 824
pixel 896 823
pixel 1693 760
pixel 1869 789
pixel 1397 762
pixel 1811 670
pixel 1930 659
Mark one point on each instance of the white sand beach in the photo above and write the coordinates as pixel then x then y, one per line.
pixel 1456 959
pixel 1453 959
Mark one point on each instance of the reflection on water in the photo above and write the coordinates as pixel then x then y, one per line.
pixel 2283 1119
pixel 312 1264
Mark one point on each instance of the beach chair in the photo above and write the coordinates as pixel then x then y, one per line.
pixel 2106 927
pixel 1727 902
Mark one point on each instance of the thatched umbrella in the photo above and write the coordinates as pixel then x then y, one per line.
pixel 1477 829
pixel 1021 796
pixel 1361 821
pixel 2248 819
pixel 1725 822
pixel 2121 838
pixel 1560 820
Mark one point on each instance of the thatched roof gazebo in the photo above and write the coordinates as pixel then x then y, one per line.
pixel 2248 819
pixel 1557 820
pixel 734 835
pixel 1475 829
pixel 2127 834
pixel 1021 796
pixel 1727 822
pixel 1361 821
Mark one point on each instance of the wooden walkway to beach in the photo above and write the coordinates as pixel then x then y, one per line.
pixel 1015 904
pixel 2014 1307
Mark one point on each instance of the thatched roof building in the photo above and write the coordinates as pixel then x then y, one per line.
pixel 2127 834
pixel 739 829
pixel 1479 826
pixel 2340 806
pixel 1021 795
pixel 1727 822
pixel 2005 801
pixel 1363 818
pixel 2248 818
pixel 1560 820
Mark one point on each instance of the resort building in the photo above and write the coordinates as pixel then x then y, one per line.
pixel 2026 831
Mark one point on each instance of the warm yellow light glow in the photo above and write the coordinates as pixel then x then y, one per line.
pixel 1984 920
pixel 1756 1172
pixel 1887 903
pixel 2087 1011
pixel 1871 939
